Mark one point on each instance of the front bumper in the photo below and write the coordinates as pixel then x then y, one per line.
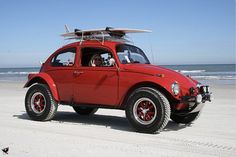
pixel 196 103
pixel 206 94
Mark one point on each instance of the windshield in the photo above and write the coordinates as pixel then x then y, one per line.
pixel 130 54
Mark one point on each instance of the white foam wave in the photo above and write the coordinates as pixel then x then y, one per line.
pixel 215 77
pixel 191 71
pixel 18 73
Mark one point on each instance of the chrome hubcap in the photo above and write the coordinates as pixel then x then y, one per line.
pixel 144 111
pixel 38 102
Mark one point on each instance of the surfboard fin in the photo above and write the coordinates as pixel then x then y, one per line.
pixel 67 29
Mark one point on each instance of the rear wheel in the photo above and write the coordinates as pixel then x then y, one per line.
pixel 185 119
pixel 84 110
pixel 39 103
pixel 148 110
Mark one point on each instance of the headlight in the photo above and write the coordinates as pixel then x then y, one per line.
pixel 199 84
pixel 175 88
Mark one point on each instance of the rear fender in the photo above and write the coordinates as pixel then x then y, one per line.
pixel 43 78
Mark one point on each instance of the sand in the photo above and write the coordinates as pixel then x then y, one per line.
pixel 108 133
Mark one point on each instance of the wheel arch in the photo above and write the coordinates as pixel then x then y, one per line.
pixel 156 86
pixel 43 78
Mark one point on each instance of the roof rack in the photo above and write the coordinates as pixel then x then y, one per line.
pixel 109 33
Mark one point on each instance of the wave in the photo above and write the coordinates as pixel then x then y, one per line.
pixel 18 72
pixel 201 77
pixel 191 71
pixel 205 75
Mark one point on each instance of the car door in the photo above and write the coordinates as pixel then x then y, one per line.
pixel 96 84
pixel 62 72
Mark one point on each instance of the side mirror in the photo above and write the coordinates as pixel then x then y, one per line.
pixel 112 61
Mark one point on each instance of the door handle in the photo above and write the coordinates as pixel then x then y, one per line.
pixel 77 73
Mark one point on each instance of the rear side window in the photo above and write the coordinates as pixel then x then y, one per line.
pixel 66 58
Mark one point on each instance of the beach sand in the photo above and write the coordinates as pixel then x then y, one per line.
pixel 108 133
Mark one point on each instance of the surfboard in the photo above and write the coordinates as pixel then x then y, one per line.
pixel 117 32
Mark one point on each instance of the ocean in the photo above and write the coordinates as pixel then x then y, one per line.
pixel 16 74
pixel 206 73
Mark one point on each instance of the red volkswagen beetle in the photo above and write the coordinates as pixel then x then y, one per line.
pixel 106 73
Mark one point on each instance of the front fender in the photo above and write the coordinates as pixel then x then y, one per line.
pixel 43 78
pixel 166 83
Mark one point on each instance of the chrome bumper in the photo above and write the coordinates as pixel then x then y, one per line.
pixel 205 95
pixel 196 103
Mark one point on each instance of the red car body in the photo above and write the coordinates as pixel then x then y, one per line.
pixel 111 86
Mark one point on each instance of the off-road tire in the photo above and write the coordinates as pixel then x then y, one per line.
pixel 51 105
pixel 162 109
pixel 185 119
pixel 85 110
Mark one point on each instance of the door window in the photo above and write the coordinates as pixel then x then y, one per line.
pixel 96 57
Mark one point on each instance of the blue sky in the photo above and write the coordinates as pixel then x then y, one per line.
pixel 184 31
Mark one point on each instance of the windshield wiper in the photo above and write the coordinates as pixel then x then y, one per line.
pixel 135 62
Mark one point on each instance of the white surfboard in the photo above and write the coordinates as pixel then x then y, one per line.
pixel 119 32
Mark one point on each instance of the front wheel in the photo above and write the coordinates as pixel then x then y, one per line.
pixel 148 110
pixel 39 103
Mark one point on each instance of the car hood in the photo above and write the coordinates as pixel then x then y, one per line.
pixel 171 75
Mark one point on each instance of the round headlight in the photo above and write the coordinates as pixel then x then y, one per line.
pixel 199 84
pixel 175 88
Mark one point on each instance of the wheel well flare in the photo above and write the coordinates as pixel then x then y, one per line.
pixel 146 84
pixel 44 79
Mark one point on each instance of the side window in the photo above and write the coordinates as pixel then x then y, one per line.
pixel 66 58
pixel 96 57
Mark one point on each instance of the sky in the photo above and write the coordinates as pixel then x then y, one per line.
pixel 183 31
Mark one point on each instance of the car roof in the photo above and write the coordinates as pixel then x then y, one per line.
pixel 93 42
